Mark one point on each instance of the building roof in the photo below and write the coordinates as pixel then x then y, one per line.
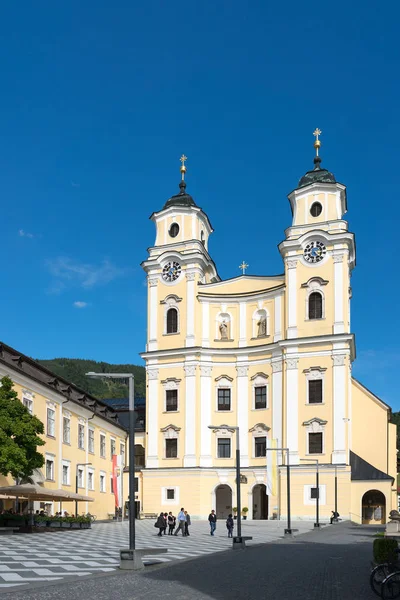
pixel 32 369
pixel 361 470
pixel 123 403
pixel 317 175
pixel 181 199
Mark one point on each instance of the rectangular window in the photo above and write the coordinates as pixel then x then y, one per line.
pixel 313 493
pixel 49 469
pixel 122 453
pixel 315 391
pixel 112 447
pixel 28 403
pixel 102 483
pixel 171 401
pixel 91 441
pixel 260 444
pixel 224 448
pixel 224 399
pixel 171 494
pixel 111 484
pixel 80 478
pixel 65 474
pixel 51 422
pixel 171 448
pixel 66 430
pixel 315 443
pixel 260 393
pixel 102 445
pixel 136 484
pixel 81 436
pixel 90 480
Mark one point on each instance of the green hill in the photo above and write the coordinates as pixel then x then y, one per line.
pixel 74 369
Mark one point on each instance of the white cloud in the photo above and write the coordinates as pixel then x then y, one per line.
pixel 69 273
pixel 80 304
pixel 23 233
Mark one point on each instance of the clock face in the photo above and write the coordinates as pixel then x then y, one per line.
pixel 314 252
pixel 171 271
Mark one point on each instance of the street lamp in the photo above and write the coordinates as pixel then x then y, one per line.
pixel 238 501
pixel 77 481
pixel 316 461
pixel 288 530
pixel 132 418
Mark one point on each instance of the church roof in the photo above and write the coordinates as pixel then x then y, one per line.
pixel 317 175
pixel 181 199
pixel 361 470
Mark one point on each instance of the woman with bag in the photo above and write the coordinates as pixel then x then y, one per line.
pixel 160 524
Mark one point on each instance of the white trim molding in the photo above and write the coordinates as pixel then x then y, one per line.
pixel 189 459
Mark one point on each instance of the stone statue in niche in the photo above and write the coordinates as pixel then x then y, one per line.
pixel 262 326
pixel 223 328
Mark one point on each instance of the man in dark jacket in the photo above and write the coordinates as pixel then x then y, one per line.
pixel 212 519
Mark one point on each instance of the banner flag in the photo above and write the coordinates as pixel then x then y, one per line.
pixel 272 469
pixel 115 480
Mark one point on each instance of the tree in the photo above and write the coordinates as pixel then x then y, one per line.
pixel 19 435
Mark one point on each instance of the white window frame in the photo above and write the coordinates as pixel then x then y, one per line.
pixel 171 433
pixel 103 488
pixel 171 383
pixel 259 430
pixel 27 400
pixel 53 410
pixel 66 464
pixel 81 428
pixel 113 442
pixel 122 451
pixel 50 458
pixel 260 380
pixel 315 425
pixel 91 439
pixel 315 373
pixel 165 500
pixel 90 476
pixel 223 382
pixel 308 501
pixel 220 436
pixel 315 284
pixel 81 484
pixel 67 418
pixel 172 301
pixel 103 437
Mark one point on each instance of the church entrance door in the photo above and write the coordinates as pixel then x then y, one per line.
pixel 373 508
pixel 260 502
pixel 223 501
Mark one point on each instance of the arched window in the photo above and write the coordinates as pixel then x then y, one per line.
pixel 315 306
pixel 172 320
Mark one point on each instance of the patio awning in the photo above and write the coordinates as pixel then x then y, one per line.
pixel 33 491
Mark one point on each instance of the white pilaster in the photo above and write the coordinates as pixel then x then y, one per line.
pixel 153 313
pixel 339 409
pixel 205 414
pixel 189 458
pixel 292 409
pixel 277 400
pixel 152 415
pixel 242 325
pixel 205 337
pixel 338 326
pixel 243 411
pixel 278 318
pixel 291 265
pixel 190 289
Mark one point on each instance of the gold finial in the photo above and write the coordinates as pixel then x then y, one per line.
pixel 183 158
pixel 317 143
pixel 243 266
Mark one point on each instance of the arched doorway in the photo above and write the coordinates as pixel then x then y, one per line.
pixel 260 502
pixel 373 508
pixel 223 501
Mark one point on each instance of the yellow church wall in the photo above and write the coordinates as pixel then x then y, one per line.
pixel 241 285
pixel 304 203
pixel 170 340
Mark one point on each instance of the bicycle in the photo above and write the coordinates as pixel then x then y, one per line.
pixel 391 586
pixel 379 574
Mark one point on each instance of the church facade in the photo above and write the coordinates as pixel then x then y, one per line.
pixel 271 355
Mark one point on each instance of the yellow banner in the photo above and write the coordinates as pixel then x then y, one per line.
pixel 272 469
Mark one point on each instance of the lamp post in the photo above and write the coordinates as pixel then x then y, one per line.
pixel 288 529
pixel 238 500
pixel 77 482
pixel 316 461
pixel 336 489
pixel 132 419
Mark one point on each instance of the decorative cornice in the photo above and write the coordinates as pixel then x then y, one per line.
pixel 338 360
pixel 242 371
pixel 315 420
pixel 292 262
pixel 190 370
pixel 171 297
pixel 262 426
pixel 190 276
pixel 291 363
pixel 259 374
pixel 276 366
pixel 317 280
pixel 338 257
pixel 223 377
pixel 153 281
pixel 170 426
pixel 316 369
pixel 152 374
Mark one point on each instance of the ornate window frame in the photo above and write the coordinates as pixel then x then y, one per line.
pixel 27 400
pixel 223 433
pixel 164 495
pixel 259 430
pixel 170 432
pixel 314 284
pixel 312 374
pixel 255 318
pixel 315 425
pixel 260 379
pixel 223 382
pixel 171 383
pixel 171 301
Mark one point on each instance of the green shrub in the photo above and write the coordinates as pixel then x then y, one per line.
pixel 385 550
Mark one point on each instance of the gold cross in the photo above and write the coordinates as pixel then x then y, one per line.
pixel 243 266
pixel 317 143
pixel 183 167
pixel 317 132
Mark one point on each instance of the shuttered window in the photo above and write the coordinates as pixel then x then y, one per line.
pixel 315 306
pixel 315 391
pixel 172 320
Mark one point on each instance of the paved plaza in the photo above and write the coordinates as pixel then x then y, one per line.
pixel 27 559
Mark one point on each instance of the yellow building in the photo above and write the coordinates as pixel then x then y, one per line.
pixel 79 429
pixel 270 354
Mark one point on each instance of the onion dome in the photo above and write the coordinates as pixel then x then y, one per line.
pixel 181 199
pixel 317 175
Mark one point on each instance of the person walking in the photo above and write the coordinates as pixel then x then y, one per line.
pixel 212 519
pixel 230 525
pixel 187 523
pixel 181 522
pixel 166 523
pixel 171 520
pixel 160 523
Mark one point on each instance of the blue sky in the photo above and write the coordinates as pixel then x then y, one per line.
pixel 98 101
